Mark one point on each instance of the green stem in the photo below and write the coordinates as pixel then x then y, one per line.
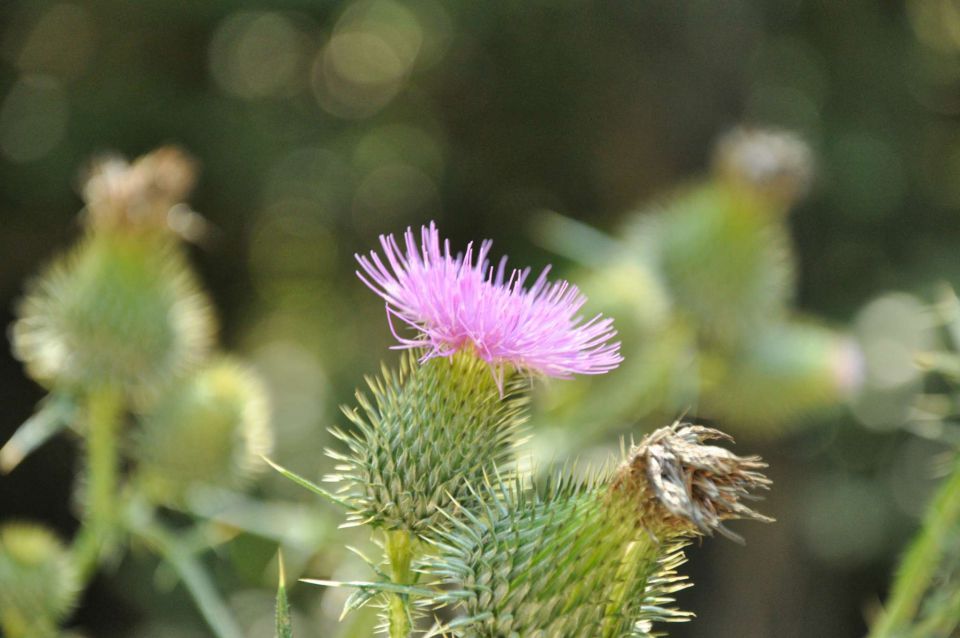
pixel 103 411
pixel 398 546
pixel 920 564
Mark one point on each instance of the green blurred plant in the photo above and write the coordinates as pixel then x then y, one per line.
pixel 120 333
pixel 703 284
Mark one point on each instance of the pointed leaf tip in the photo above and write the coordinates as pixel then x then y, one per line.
pixel 310 485
pixel 284 624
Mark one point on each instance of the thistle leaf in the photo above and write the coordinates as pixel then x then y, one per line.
pixel 53 415
pixel 313 487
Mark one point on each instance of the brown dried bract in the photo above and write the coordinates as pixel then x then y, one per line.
pixel 683 486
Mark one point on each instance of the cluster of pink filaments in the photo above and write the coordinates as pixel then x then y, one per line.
pixel 461 302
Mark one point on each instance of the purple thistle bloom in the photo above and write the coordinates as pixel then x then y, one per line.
pixel 460 302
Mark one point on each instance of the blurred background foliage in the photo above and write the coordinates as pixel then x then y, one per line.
pixel 320 124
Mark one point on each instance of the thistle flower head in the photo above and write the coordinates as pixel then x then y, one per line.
pixel 554 558
pixel 596 557
pixel 683 486
pixel 117 310
pixel 38 583
pixel 460 302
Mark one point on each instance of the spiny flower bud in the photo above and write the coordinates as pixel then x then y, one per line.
pixel 682 486
pixel 211 427
pixel 428 432
pixel 140 197
pixel 774 165
pixel 118 310
pixel 590 558
pixel 728 270
pixel 38 584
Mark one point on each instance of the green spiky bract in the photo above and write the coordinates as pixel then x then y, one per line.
pixel 563 558
pixel 423 436
pixel 119 310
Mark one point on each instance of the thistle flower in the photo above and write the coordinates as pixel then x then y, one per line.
pixel 38 583
pixel 461 302
pixel 591 558
pixel 212 427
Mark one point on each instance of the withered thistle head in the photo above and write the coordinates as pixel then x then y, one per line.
pixel 682 486
pixel 145 195
pixel 775 165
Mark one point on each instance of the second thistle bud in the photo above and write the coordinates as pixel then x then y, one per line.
pixel 210 428
pixel 595 558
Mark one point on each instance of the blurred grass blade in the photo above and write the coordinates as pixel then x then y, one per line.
pixel 284 626
pixel 194 577
pixel 313 487
pixel 573 239
pixel 52 416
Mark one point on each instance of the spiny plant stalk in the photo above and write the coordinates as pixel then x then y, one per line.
pixel 103 421
pixel 399 551
pixel 596 557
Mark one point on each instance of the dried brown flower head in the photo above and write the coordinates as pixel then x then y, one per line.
pixel 685 487
pixel 147 194
pixel 774 164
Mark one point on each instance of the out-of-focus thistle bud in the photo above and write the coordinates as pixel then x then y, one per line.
pixel 210 428
pixel 728 270
pixel 145 196
pixel 427 433
pixel 597 557
pixel 782 373
pixel 122 308
pixel 119 311
pixel 775 166
pixel 38 585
